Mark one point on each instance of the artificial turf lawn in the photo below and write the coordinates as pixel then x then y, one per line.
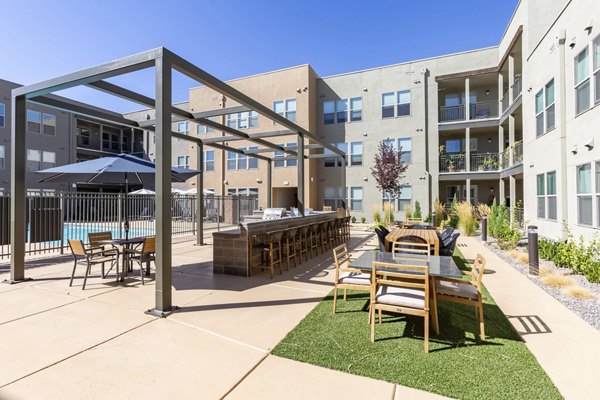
pixel 457 365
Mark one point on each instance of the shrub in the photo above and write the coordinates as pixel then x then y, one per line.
pixel 407 211
pixel 376 214
pixel 483 210
pixel 440 212
pixel 427 218
pixel 546 249
pixel 453 216
pixel 388 213
pixel 363 220
pixel 499 226
pixel 417 212
pixel 466 218
pixel 353 219
pixel 578 293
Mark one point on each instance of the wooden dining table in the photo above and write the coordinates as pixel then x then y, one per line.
pixel 430 236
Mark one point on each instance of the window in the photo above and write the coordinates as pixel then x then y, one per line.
pixel 582 82
pixel 242 192
pixel 337 160
pixel 34 121
pixel 541 199
pixel 237 161
pixel 48 159
pixel 253 192
pixel 403 103
pixel 2 157
pixel 34 160
pixel 405 148
pixel 231 191
pixel 596 66
pixel 341 108
pixel 286 108
pixel 253 119
pixel 209 160
pixel 405 197
pixel 356 198
pixel 395 104
pixel 202 129
pixel 110 138
pixel 584 194
pixel 183 127
pixel 598 192
pixel 387 105
pixel 183 161
pixel 231 161
pixel 2 115
pixel 550 115
pixel 253 161
pixel 356 109
pixel 328 112
pixel 49 124
pixel 232 121
pixel 539 113
pixel 551 194
pixel 334 197
pixel 281 157
pixel 356 154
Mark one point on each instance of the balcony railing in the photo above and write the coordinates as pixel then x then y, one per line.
pixel 505 158
pixel 479 162
pixel 517 87
pixel 505 102
pixel 484 162
pixel 452 113
pixel 484 109
pixel 518 152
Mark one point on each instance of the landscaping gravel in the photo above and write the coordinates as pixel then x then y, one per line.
pixel 588 310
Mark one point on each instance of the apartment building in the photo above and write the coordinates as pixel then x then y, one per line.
pixel 56 137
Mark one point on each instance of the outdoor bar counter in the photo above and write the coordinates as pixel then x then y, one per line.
pixel 231 248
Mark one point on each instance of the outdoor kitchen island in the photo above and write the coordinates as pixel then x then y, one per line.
pixel 231 248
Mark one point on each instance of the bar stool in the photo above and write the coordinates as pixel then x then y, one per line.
pixel 324 235
pixel 289 246
pixel 256 245
pixel 302 242
pixel 273 251
pixel 333 232
pixel 347 228
pixel 314 240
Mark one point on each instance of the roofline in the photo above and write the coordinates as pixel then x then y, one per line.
pixel 512 17
pixel 411 62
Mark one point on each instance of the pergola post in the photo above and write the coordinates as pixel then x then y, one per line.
pixel 18 198
pixel 300 168
pixel 269 183
pixel 200 194
pixel 163 187
pixel 345 192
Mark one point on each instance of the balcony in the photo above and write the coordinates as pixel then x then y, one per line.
pixel 517 89
pixel 477 111
pixel 479 162
pixel 517 152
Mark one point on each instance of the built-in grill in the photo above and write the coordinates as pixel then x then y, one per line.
pixel 273 213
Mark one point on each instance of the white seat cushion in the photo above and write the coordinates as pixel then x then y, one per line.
pixel 465 290
pixel 355 278
pixel 398 296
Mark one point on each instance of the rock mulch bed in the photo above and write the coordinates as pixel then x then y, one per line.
pixel 588 310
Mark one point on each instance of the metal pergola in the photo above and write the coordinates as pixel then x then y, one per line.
pixel 164 62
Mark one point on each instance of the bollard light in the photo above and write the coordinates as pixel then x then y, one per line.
pixel 484 228
pixel 532 242
pixel 433 221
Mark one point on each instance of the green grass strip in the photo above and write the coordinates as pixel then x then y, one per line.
pixel 458 365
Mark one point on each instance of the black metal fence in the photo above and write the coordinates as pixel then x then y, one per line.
pixel 53 219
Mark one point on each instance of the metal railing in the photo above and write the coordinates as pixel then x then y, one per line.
pixel 517 88
pixel 484 109
pixel 518 152
pixel 484 162
pixel 53 219
pixel 452 113
pixel 452 162
pixel 505 101
pixel 505 158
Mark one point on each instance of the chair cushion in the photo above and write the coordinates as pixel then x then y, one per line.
pixel 398 296
pixel 355 278
pixel 465 290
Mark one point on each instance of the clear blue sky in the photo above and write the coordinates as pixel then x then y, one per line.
pixel 235 38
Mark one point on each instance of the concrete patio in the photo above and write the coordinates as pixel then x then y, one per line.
pixel 62 342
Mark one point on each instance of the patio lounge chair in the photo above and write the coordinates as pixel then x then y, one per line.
pixel 381 238
pixel 448 245
pixel 446 234
pixel 91 257
pixel 395 290
pixel 465 292
pixel 346 277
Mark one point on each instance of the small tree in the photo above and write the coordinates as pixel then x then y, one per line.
pixel 388 170
pixel 417 212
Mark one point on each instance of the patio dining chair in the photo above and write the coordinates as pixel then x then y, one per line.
pixel 81 253
pixel 381 239
pixel 143 255
pixel 94 238
pixel 400 289
pixel 465 291
pixel 412 246
pixel 346 277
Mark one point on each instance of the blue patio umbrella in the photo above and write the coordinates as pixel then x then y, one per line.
pixel 117 169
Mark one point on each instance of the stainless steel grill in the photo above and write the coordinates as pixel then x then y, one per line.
pixel 273 213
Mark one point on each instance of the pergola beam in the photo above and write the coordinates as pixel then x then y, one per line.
pixel 253 136
pixel 190 70
pixel 196 140
pixel 110 69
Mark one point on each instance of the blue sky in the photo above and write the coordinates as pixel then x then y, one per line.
pixel 230 39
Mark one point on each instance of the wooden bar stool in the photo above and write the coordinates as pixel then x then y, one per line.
pixel 302 242
pixel 289 246
pixel 273 251
pixel 324 235
pixel 314 240
pixel 256 258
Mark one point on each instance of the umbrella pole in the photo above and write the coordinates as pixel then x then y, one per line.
pixel 126 206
